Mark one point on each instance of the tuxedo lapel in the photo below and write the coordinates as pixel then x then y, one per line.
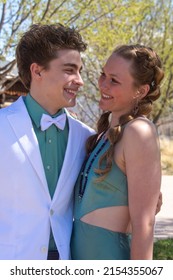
pixel 69 164
pixel 23 129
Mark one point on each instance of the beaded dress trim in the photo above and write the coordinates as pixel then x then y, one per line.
pixel 84 174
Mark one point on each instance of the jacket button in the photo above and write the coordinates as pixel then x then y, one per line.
pixel 43 249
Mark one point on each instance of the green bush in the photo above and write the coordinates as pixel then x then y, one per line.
pixel 163 249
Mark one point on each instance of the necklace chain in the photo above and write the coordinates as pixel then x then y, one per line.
pixel 84 175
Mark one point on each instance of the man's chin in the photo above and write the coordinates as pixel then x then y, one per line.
pixel 71 102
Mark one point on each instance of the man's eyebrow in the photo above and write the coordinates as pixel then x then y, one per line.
pixel 73 65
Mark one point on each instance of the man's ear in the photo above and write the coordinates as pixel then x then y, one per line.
pixel 35 70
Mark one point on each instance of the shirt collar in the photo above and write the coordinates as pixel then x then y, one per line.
pixel 35 110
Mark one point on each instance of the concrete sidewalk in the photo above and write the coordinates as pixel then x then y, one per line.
pixel 164 219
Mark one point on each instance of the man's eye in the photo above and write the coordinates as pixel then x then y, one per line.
pixel 69 70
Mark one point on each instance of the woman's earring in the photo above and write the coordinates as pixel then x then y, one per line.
pixel 136 108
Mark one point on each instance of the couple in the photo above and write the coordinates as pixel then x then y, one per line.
pixel 43 148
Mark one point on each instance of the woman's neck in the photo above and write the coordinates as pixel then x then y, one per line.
pixel 114 121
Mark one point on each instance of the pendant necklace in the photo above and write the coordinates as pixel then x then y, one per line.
pixel 84 175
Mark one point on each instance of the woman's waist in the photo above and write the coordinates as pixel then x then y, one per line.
pixel 115 218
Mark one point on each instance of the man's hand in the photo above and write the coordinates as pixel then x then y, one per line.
pixel 159 203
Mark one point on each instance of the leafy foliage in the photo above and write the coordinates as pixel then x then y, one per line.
pixel 103 25
pixel 163 249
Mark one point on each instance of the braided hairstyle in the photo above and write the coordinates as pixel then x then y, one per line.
pixel 146 68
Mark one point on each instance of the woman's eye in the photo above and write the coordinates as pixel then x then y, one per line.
pixel 102 74
pixel 114 81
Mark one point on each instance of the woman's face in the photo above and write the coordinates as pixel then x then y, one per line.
pixel 116 86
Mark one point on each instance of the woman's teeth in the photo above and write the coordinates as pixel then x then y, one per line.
pixel 106 96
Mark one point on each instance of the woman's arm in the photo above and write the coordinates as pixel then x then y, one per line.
pixel 143 169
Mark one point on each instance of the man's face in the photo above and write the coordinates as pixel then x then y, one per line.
pixel 59 84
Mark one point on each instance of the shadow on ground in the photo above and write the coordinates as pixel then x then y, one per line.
pixel 163 228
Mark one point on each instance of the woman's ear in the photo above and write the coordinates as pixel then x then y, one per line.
pixel 142 91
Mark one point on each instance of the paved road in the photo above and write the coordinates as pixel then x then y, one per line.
pixel 164 219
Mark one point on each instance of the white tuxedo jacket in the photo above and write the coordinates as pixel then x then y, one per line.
pixel 26 208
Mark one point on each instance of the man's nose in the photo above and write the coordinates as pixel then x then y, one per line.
pixel 78 80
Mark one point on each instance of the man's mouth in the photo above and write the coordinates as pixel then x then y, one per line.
pixel 71 92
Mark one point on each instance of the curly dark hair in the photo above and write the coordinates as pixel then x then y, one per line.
pixel 40 45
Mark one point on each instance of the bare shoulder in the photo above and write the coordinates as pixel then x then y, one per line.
pixel 139 141
pixel 141 128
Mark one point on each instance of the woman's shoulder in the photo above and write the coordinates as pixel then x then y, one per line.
pixel 140 127
pixel 140 123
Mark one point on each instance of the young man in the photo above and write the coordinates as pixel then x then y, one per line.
pixel 40 155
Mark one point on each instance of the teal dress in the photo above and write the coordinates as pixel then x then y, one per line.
pixel 91 242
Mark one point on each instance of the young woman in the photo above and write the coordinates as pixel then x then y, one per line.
pixel 117 190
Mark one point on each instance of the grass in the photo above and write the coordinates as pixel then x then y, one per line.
pixel 163 249
pixel 166 146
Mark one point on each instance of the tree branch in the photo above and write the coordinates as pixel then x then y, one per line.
pixel 2 16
